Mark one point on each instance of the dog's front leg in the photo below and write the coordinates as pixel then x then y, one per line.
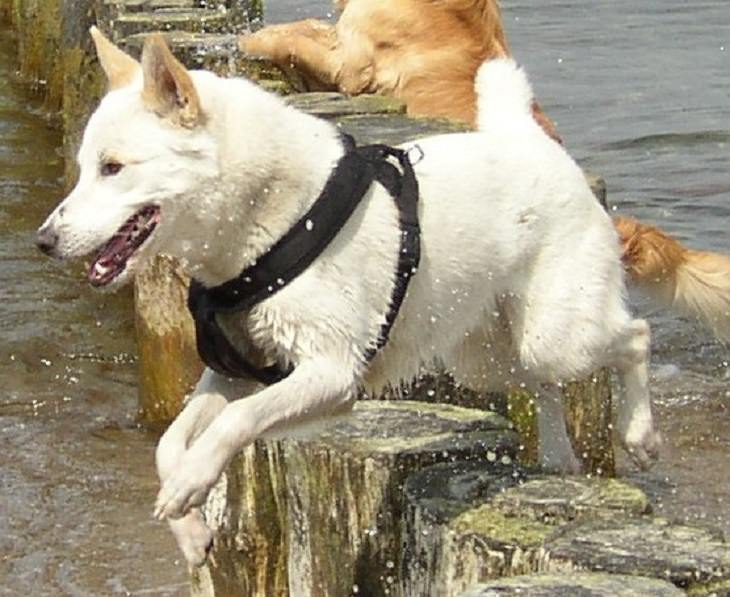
pixel 315 388
pixel 308 46
pixel 210 396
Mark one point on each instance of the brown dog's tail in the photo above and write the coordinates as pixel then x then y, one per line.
pixel 695 283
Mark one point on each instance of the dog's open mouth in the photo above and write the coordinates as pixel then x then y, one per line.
pixel 113 256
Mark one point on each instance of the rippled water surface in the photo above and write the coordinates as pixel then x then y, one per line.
pixel 640 92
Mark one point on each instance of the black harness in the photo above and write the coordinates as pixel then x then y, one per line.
pixel 301 245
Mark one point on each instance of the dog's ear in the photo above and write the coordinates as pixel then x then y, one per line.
pixel 168 87
pixel 120 68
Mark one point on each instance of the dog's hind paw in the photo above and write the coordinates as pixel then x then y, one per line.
pixel 193 536
pixel 566 464
pixel 644 448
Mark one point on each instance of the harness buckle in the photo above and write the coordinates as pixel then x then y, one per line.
pixel 420 154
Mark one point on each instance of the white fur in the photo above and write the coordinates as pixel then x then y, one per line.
pixel 504 93
pixel 520 278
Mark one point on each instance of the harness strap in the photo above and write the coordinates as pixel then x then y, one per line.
pixel 300 246
pixel 403 187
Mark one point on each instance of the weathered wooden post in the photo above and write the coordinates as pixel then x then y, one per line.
pixel 321 515
pixel 83 81
pixel 168 362
pixel 38 25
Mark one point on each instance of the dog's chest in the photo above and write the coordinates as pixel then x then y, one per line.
pixel 254 341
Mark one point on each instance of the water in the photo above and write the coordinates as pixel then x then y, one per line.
pixel 640 92
pixel 77 479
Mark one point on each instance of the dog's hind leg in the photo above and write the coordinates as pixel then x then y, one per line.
pixel 635 422
pixel 554 451
pixel 496 369
pixel 210 396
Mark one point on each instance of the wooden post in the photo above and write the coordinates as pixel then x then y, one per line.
pixel 467 522
pixel 168 360
pixel 322 515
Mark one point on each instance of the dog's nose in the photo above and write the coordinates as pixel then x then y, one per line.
pixel 46 240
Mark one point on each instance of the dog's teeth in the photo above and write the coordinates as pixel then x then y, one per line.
pixel 100 270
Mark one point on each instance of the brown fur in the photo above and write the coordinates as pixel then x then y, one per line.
pixel 693 282
pixel 425 52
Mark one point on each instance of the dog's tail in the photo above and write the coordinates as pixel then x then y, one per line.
pixel 503 92
pixel 695 283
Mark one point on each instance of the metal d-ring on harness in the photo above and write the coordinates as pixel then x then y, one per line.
pixel 301 245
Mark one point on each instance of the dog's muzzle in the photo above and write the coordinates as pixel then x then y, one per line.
pixel 47 240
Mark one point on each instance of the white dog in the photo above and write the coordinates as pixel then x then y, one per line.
pixel 520 279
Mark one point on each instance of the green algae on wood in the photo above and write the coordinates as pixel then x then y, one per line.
pixel 84 84
pixel 503 530
pixel 466 522
pixel 557 500
pixel 589 422
pixel 688 556
pixel 194 20
pixel 250 553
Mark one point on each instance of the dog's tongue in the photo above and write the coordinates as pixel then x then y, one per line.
pixel 113 256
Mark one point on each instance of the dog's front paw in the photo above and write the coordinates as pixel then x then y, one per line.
pixel 186 487
pixel 193 536
pixel 642 445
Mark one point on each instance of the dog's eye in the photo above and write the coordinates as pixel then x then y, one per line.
pixel 110 168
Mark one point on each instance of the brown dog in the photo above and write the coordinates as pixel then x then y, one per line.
pixel 427 52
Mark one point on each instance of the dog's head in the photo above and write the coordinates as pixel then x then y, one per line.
pixel 145 152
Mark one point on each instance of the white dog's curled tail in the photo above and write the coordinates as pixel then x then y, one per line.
pixel 503 92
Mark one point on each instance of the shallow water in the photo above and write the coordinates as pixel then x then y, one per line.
pixel 640 92
pixel 76 475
